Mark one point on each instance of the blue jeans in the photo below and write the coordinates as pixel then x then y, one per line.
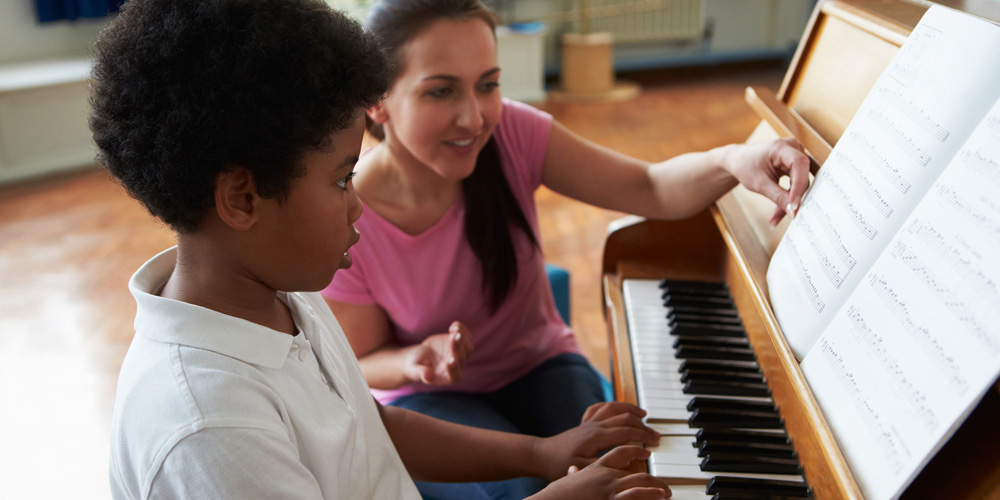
pixel 548 400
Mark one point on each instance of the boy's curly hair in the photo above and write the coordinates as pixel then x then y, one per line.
pixel 184 89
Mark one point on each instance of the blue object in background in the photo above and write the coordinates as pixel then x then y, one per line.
pixel 55 10
pixel 559 280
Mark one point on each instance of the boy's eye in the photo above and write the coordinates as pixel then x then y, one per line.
pixel 342 183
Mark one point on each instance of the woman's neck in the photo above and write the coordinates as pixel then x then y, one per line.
pixel 406 179
pixel 402 190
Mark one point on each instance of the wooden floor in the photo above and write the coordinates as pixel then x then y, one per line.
pixel 69 244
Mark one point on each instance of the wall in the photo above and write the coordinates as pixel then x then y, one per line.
pixel 22 39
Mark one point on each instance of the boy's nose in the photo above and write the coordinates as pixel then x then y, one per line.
pixel 354 207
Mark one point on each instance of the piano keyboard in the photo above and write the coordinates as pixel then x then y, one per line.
pixel 697 378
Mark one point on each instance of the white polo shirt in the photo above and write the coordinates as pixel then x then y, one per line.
pixel 212 406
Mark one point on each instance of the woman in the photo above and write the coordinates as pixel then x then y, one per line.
pixel 448 306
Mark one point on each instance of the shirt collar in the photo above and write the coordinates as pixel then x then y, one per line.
pixel 170 321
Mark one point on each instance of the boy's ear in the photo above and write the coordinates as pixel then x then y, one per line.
pixel 236 198
pixel 377 114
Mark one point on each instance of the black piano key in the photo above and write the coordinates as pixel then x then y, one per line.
pixel 695 375
pixel 676 317
pixel 702 310
pixel 752 436
pixel 726 484
pixel 743 448
pixel 735 495
pixel 672 299
pixel 715 419
pixel 720 365
pixel 731 404
pixel 708 286
pixel 702 352
pixel 731 462
pixel 727 388
pixel 717 330
pixel 709 341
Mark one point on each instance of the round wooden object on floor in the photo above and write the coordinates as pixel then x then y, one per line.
pixel 588 71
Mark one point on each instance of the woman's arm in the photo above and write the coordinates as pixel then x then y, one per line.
pixel 438 360
pixel 677 188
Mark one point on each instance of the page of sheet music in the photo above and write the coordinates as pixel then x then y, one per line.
pixel 911 123
pixel 918 344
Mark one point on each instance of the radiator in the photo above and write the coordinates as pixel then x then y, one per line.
pixel 647 20
pixel 627 20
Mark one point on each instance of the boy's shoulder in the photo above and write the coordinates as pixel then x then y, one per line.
pixel 196 382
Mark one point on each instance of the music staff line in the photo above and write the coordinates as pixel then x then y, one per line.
pixel 947 297
pixel 881 163
pixel 873 346
pixel 910 110
pixel 901 139
pixel 883 439
pixel 920 334
pixel 805 278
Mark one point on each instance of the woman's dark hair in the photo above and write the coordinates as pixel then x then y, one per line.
pixel 490 206
pixel 185 89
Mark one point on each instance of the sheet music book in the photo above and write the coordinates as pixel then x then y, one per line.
pixel 887 283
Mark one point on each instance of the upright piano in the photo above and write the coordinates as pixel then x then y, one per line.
pixel 846 46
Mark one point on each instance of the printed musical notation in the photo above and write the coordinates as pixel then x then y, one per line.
pixel 956 202
pixel 865 186
pixel 897 136
pixel 805 278
pixel 885 441
pixel 983 164
pixel 913 112
pixel 954 257
pixel 927 342
pixel 856 214
pixel 871 342
pixel 946 296
pixel 881 163
pixel 912 58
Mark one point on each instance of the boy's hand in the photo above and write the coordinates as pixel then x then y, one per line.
pixel 608 479
pixel 604 426
pixel 439 359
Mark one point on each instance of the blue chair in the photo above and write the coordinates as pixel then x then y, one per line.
pixel 559 280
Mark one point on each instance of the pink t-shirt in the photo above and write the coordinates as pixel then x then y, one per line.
pixel 426 281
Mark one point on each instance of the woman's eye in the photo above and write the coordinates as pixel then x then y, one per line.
pixel 490 86
pixel 439 93
pixel 342 183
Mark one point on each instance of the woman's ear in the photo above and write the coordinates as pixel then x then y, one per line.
pixel 236 198
pixel 377 114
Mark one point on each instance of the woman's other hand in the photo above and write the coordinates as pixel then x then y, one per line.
pixel 440 358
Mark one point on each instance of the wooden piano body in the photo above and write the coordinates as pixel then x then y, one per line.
pixel 842 53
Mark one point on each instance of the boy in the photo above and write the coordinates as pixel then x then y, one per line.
pixel 237 123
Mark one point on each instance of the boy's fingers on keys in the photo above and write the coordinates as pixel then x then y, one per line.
pixel 621 456
pixel 612 408
pixel 643 493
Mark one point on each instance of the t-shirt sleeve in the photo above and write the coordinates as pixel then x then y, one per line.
pixel 234 463
pixel 523 137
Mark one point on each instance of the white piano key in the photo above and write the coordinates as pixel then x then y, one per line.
pixel 672 428
pixel 688 492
